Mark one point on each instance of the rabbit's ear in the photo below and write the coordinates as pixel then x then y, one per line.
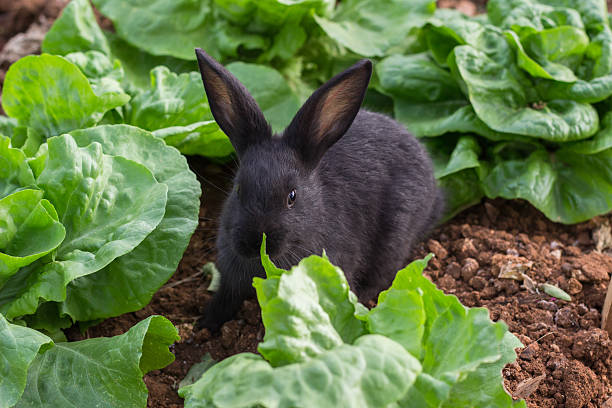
pixel 328 113
pixel 232 106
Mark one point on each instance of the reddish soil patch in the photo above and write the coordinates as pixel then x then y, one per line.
pixel 23 24
pixel 17 16
pixel 563 340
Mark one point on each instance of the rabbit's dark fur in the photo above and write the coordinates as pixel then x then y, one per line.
pixel 365 190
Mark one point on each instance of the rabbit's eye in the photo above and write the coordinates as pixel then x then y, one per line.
pixel 291 199
pixel 237 189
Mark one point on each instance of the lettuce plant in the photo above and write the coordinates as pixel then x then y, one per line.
pixel 417 347
pixel 83 221
pixel 514 103
pixel 374 28
pixel 105 371
pixel 92 223
pixel 219 26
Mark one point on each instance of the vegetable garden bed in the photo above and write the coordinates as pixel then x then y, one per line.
pixel 567 359
pixel 564 342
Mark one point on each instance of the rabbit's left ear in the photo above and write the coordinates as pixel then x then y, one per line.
pixel 328 113
pixel 232 106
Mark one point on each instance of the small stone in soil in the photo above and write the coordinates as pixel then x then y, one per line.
pixel 546 305
pixel 566 317
pixel 530 351
pixel 470 266
pixel 478 282
pixel 454 270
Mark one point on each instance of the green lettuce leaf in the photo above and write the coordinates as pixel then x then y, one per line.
pixel 19 346
pixel 428 100
pixel 322 314
pixel 501 101
pixel 204 138
pixel 129 281
pixel 400 316
pixel 462 190
pixel 564 45
pixel 484 382
pixel 566 186
pixel 456 163
pixel 345 376
pixel 451 156
pixel 108 204
pixel 598 143
pixel 286 43
pixel 172 100
pixel 548 46
pixel 543 89
pixel 448 360
pixel 104 76
pixel 595 90
pixel 27 139
pixel 268 13
pixel 527 17
pixel 137 63
pixel 40 92
pixel 182 29
pixel 175 107
pixel 15 174
pixel 24 215
pixel 450 28
pixel 270 29
pixel 76 29
pixel 598 57
pixel 456 166
pixel 185 26
pixel 7 126
pixel 372 28
pixel 417 78
pixel 104 371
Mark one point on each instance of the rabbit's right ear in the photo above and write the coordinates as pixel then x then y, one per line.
pixel 328 113
pixel 232 106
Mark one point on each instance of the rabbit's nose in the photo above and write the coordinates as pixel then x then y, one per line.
pixel 249 242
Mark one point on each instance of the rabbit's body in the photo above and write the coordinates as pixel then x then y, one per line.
pixel 373 207
pixel 364 197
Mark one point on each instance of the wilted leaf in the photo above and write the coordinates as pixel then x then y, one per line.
pixel 555 291
pixel 514 270
pixel 215 277
pixel 603 236
pixel 528 386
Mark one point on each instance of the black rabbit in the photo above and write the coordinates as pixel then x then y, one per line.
pixel 351 182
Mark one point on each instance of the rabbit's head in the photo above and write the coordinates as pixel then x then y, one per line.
pixel 276 189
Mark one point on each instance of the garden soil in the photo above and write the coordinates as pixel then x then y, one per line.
pixel 566 361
